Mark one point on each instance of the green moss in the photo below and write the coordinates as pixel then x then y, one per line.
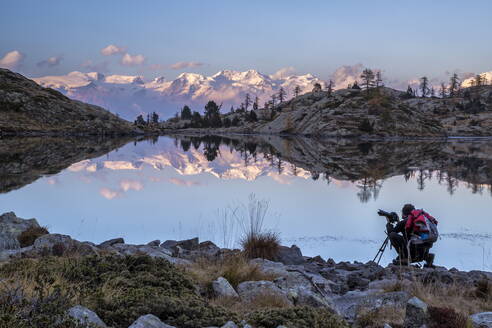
pixel 120 290
pixel 297 317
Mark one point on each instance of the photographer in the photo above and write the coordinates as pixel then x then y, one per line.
pixel 400 233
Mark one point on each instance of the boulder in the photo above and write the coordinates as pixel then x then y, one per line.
pixel 111 242
pixel 249 290
pixel 222 288
pixel 85 317
pixel 416 315
pixel 290 255
pixel 11 227
pixel 156 242
pixel 152 251
pixel 351 303
pixel 149 321
pixel 58 244
pixel 229 324
pixel 481 320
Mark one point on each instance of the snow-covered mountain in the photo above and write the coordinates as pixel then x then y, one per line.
pixel 132 95
pixel 470 81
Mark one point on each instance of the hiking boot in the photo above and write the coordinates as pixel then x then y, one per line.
pixel 429 260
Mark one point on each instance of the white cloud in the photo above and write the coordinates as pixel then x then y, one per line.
pixel 185 64
pixel 129 60
pixel 283 73
pixel 50 62
pixel 112 50
pixel 184 183
pixel 345 75
pixel 12 59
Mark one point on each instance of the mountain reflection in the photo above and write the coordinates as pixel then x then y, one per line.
pixel 366 164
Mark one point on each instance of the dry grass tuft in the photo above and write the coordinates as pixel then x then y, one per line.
pixel 375 318
pixel 27 237
pixel 235 268
pixel 263 245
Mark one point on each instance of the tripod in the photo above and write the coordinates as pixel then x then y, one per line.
pixel 380 252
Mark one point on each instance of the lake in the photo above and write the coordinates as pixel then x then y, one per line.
pixel 323 194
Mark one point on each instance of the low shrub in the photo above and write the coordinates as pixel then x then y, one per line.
pixel 375 318
pixel 446 318
pixel 296 317
pixel 118 289
pixel 29 236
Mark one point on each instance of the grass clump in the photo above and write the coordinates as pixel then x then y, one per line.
pixel 296 317
pixel 118 289
pixel 375 318
pixel 29 236
pixel 236 268
pixel 257 242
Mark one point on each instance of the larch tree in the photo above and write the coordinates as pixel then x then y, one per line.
pixel 424 86
pixel 330 87
pixel 297 91
pixel 367 78
pixel 247 101
pixel 443 91
pixel 255 103
pixel 454 85
pixel 281 95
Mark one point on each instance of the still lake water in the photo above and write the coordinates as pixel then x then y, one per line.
pixel 323 194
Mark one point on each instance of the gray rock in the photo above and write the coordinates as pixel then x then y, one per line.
pixel 481 320
pixel 229 324
pixel 249 290
pixel 222 288
pixel 386 326
pixel 290 255
pixel 57 244
pixel 11 227
pixel 86 317
pixel 416 315
pixel 156 242
pixel 149 321
pixel 348 305
pixel 111 242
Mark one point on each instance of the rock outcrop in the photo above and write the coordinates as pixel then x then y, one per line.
pixel 29 109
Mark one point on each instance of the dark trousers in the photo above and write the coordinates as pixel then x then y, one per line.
pixel 399 243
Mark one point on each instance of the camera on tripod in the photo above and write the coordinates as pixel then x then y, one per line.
pixel 392 217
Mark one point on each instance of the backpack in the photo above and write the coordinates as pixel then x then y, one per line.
pixel 425 226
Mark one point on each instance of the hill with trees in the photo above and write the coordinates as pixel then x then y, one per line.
pixel 366 109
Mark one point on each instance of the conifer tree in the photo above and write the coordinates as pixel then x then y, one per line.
pixel 424 86
pixel 454 85
pixel 379 79
pixel 255 103
pixel 140 120
pixel 317 87
pixel 367 77
pixel 186 113
pixel 330 87
pixel 443 92
pixel 297 91
pixel 247 101
pixel 281 95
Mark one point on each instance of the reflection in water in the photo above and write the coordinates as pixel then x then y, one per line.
pixel 324 193
pixel 366 164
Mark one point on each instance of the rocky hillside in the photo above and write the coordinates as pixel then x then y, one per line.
pixel 379 113
pixel 29 109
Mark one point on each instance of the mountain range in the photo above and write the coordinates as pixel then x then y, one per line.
pixel 129 96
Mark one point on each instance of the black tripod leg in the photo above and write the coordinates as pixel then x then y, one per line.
pixel 381 251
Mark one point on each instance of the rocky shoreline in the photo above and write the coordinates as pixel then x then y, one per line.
pixel 350 291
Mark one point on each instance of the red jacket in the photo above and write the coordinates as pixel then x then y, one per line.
pixel 416 222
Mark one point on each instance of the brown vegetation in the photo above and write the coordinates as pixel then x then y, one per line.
pixel 29 236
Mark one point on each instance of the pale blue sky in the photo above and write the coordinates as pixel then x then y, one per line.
pixel 405 39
